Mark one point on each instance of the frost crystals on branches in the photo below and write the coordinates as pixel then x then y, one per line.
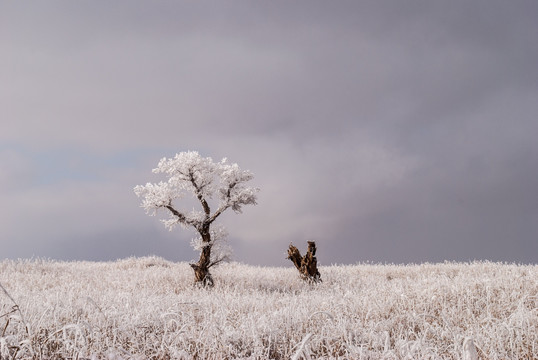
pixel 189 173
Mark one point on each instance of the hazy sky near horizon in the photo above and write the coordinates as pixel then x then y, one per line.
pixel 386 131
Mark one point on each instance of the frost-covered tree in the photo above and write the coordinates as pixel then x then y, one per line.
pixel 190 173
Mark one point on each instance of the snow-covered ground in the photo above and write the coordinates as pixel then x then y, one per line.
pixel 149 308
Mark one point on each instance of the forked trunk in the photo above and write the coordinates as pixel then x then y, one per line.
pixel 308 264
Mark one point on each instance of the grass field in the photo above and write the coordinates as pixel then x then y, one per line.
pixel 142 308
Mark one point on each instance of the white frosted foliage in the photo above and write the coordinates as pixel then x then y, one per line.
pixel 188 173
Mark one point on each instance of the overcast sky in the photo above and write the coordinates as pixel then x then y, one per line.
pixel 386 131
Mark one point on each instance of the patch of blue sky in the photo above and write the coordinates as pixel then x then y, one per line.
pixel 62 164
pixel 53 165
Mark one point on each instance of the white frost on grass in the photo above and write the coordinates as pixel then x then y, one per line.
pixel 149 308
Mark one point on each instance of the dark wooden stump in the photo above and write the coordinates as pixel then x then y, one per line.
pixel 308 264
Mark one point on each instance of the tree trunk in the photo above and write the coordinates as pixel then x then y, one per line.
pixel 308 264
pixel 202 276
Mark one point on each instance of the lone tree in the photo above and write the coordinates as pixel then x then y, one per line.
pixel 188 172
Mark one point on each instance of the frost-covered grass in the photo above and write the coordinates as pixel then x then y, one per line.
pixel 149 308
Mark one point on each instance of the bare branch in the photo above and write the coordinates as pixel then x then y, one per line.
pixel 230 187
pixel 226 205
pixel 218 261
pixel 181 217
pixel 218 212
pixel 198 190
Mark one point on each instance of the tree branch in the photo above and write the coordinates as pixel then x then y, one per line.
pixel 218 212
pixel 230 187
pixel 226 205
pixel 218 261
pixel 204 203
pixel 176 213
pixel 180 216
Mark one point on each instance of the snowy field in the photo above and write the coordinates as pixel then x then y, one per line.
pixel 148 308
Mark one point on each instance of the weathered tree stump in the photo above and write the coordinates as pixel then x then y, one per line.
pixel 308 264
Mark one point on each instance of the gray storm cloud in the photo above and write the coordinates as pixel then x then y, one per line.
pixel 385 131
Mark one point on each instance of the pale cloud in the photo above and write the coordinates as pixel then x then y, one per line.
pixel 384 131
